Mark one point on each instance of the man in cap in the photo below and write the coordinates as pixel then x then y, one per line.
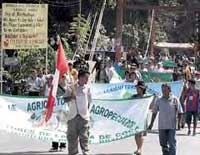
pixel 141 90
pixel 168 107
pixel 191 98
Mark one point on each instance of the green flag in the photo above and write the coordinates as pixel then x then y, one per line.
pixel 156 77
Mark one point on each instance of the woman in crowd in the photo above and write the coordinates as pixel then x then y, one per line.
pixel 141 90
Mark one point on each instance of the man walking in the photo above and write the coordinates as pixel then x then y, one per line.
pixel 168 107
pixel 78 123
pixel 191 98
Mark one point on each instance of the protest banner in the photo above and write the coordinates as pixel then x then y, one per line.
pixel 198 84
pixel 126 90
pixel 118 119
pixel 111 120
pixel 113 116
pixel 156 77
pixel 24 26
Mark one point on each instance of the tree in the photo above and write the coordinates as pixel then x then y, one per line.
pixel 79 29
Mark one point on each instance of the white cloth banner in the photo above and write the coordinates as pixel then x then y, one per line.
pixel 198 84
pixel 126 90
pixel 110 119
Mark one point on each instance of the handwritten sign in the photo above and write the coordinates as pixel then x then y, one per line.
pixel 24 26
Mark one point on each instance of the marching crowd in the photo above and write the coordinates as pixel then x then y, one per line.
pixel 74 87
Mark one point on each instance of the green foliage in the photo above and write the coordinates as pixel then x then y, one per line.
pixel 97 4
pixel 169 2
pixel 68 51
pixel 111 3
pixel 36 59
pixel 80 28
pixel 33 59
pixel 172 26
pixel 136 30
pixel 135 35
pixel 103 38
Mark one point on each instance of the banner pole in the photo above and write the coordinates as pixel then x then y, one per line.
pixel 1 91
pixel 46 68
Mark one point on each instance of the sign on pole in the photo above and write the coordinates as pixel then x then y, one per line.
pixel 24 26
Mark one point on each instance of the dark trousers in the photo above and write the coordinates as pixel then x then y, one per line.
pixel 189 116
pixel 56 145
pixel 78 129
pixel 167 139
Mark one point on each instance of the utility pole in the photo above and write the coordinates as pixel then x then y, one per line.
pixel 78 50
pixel 97 31
pixel 153 33
pixel 197 34
pixel 197 26
pixel 80 7
pixel 150 33
pixel 119 26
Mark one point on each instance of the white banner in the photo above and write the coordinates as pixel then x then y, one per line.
pixel 126 90
pixel 198 84
pixel 111 120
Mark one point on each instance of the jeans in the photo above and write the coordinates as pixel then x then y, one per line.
pixel 167 139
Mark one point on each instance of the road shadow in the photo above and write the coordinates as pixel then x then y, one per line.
pixel 55 153
pixel 177 133
pixel 35 153
pixel 152 131
pixel 181 134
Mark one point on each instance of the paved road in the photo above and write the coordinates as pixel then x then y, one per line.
pixel 16 145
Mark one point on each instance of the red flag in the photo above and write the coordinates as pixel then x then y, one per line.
pixel 61 63
pixel 61 68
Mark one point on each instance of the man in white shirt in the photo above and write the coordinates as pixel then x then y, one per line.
pixel 134 68
pixel 34 84
pixel 78 123
pixel 109 70
pixel 159 68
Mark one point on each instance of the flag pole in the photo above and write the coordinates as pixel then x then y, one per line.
pixel 92 52
pixel 150 33
pixel 61 68
pixel 46 68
